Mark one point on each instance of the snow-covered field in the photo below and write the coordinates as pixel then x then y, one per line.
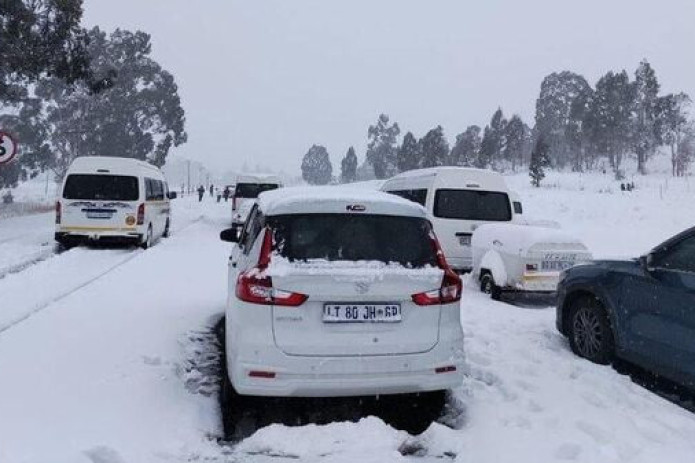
pixel 106 355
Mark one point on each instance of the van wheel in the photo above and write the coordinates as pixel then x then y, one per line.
pixel 590 332
pixel 166 233
pixel 148 239
pixel 488 286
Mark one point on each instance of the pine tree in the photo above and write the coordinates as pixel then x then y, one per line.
pixel 540 159
pixel 316 166
pixel 467 148
pixel 434 148
pixel 382 147
pixel 514 134
pixel 409 155
pixel 611 117
pixel 493 143
pixel 553 108
pixel 645 136
pixel 348 167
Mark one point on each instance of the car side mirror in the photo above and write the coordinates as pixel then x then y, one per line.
pixel 230 235
pixel 171 195
pixel 647 261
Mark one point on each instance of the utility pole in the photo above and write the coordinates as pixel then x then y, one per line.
pixel 189 176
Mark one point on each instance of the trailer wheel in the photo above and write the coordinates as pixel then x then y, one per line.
pixel 488 286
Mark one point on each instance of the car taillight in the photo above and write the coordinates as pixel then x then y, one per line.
pixel 141 214
pixel 254 287
pixel 233 203
pixel 58 212
pixel 451 288
pixel 531 267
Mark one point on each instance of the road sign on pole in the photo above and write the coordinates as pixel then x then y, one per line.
pixel 8 148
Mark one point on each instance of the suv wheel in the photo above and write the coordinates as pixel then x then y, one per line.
pixel 488 286
pixel 590 332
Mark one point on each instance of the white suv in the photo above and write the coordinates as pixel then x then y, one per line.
pixel 340 292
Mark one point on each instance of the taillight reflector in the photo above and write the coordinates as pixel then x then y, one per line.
pixel 254 287
pixel 451 288
pixel 141 214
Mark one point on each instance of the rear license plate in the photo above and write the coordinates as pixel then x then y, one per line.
pixel 556 265
pixel 361 313
pixel 464 240
pixel 99 215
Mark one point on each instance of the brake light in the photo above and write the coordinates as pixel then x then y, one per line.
pixel 451 288
pixel 141 214
pixel 254 287
pixel 59 214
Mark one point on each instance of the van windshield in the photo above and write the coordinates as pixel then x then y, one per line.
pixel 490 206
pixel 101 187
pixel 339 237
pixel 252 190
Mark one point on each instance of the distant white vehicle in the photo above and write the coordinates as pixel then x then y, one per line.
pixel 513 257
pixel 246 191
pixel 340 292
pixel 458 200
pixel 112 199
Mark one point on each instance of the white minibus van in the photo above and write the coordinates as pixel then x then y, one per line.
pixel 246 191
pixel 111 199
pixel 457 199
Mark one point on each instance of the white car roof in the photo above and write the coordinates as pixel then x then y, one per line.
pixel 336 200
pixel 258 178
pixel 450 177
pixel 112 165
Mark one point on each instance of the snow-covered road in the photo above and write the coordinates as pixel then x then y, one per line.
pixel 114 371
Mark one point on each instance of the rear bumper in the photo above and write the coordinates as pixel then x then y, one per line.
pixel 545 282
pixel 101 236
pixel 462 264
pixel 345 376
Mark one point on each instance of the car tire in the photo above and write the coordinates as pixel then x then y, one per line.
pixel 148 239
pixel 167 231
pixel 488 286
pixel 590 332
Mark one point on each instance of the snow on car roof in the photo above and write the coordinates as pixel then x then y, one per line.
pixel 515 236
pixel 336 200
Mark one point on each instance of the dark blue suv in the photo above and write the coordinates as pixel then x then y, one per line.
pixel 642 310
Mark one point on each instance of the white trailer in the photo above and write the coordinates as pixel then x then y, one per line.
pixel 513 257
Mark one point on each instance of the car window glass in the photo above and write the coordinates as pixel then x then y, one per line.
pixel 418 196
pixel 680 257
pixel 256 224
pixel 491 206
pixel 101 187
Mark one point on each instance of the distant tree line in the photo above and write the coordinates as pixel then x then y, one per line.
pixel 66 91
pixel 576 126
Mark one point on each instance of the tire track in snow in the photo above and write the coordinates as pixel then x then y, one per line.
pixel 74 289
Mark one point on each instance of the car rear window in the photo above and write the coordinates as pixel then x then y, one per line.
pixel 101 187
pixel 252 190
pixel 340 237
pixel 490 206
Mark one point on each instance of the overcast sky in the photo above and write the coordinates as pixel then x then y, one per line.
pixel 261 81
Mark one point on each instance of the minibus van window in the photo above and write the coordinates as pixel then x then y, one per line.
pixel 417 196
pixel 340 237
pixel 101 187
pixel 490 206
pixel 252 190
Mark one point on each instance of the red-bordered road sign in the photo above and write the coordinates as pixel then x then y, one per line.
pixel 8 147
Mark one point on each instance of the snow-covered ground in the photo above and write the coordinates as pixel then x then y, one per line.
pixel 106 355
